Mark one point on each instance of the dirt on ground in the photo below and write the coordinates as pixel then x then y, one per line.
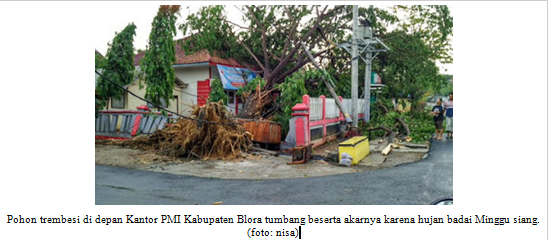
pixel 254 166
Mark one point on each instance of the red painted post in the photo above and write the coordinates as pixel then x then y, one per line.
pixel 236 104
pixel 299 132
pixel 307 101
pixel 301 111
pixel 136 124
pixel 143 107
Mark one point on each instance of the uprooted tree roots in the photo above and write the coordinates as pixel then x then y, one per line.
pixel 213 133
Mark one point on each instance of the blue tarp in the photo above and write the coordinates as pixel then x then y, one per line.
pixel 233 78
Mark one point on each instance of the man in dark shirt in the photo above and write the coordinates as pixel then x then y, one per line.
pixel 438 117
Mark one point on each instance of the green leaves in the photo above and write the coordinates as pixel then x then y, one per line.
pixel 408 69
pixel 420 122
pixel 99 104
pixel 433 23
pixel 159 74
pixel 100 61
pixel 118 66
pixel 248 88
pixel 291 93
pixel 209 30
pixel 218 92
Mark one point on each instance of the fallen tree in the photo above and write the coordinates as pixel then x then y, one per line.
pixel 415 126
pixel 211 133
pixel 258 101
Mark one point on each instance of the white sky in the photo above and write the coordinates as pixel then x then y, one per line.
pixel 117 16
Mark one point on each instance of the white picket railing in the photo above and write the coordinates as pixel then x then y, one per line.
pixel 316 109
pixel 332 111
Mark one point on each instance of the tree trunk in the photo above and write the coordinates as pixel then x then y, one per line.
pixel 255 103
pixel 404 125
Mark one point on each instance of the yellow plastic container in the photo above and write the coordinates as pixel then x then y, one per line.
pixel 357 147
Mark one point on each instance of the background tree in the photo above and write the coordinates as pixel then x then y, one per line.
pixel 119 66
pixel 433 23
pixel 218 92
pixel 270 41
pixel 408 69
pixel 156 65
pixel 291 92
pixel 100 61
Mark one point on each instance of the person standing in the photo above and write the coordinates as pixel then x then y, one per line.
pixel 449 114
pixel 438 117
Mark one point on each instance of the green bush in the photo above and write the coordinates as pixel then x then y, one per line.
pixel 291 93
pixel 99 105
pixel 419 122
pixel 218 92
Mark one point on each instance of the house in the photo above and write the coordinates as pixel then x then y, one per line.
pixel 194 75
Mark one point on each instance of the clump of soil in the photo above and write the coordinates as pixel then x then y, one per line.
pixel 211 133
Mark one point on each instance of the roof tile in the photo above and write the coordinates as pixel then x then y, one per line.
pixel 197 57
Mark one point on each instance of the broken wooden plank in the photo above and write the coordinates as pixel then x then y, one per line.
pixel 387 149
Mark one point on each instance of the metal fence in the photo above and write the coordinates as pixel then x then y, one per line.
pixel 127 124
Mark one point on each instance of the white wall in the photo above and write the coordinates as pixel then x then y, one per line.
pixel 191 76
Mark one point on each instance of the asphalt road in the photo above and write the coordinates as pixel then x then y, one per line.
pixel 410 184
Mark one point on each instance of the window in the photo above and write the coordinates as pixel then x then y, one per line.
pixel 231 96
pixel 118 103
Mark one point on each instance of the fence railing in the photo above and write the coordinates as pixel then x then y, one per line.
pixel 317 120
pixel 332 111
pixel 125 124
pixel 317 107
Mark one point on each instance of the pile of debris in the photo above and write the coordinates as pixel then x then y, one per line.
pixel 211 133
pixel 258 104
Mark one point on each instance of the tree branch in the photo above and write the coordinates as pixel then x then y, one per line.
pixel 292 32
pixel 300 64
pixel 285 61
pixel 266 54
pixel 247 28
pixel 255 18
pixel 251 53
pixel 404 125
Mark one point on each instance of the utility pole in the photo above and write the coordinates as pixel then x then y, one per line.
pixel 363 42
pixel 354 68
pixel 368 37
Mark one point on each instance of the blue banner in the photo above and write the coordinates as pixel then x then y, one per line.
pixel 233 78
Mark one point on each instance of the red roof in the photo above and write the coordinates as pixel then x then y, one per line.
pixel 197 57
